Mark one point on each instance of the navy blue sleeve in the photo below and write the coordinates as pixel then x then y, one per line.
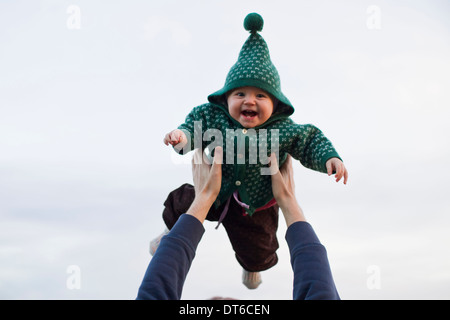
pixel 312 274
pixel 165 275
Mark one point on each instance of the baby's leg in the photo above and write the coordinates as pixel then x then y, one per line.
pixel 177 203
pixel 253 237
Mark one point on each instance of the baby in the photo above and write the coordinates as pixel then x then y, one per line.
pixel 252 113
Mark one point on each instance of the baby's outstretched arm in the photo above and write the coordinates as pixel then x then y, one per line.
pixel 175 138
pixel 337 166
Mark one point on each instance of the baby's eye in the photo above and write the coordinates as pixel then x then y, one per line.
pixel 240 94
pixel 260 95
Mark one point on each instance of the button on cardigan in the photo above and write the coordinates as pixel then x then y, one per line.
pixel 246 150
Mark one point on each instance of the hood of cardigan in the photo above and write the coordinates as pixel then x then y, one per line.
pixel 254 68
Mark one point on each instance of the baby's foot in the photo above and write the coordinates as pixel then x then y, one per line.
pixel 155 242
pixel 251 279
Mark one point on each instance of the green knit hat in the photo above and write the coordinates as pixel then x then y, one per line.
pixel 254 68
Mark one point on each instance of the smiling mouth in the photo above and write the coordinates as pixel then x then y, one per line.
pixel 249 113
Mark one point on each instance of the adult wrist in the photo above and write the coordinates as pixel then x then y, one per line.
pixel 285 203
pixel 201 205
pixel 292 212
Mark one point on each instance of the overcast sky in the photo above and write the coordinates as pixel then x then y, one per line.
pixel 89 88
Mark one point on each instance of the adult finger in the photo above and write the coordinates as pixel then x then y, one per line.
pixel 274 168
pixel 216 169
pixel 197 157
pixel 218 155
pixel 287 165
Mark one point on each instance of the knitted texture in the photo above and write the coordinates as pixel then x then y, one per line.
pixel 254 63
pixel 241 170
pixel 254 68
pixel 305 143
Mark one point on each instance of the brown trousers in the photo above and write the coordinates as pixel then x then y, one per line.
pixel 253 238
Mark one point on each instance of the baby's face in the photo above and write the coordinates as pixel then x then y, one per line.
pixel 250 106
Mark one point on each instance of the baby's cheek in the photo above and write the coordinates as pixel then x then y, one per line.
pixel 234 114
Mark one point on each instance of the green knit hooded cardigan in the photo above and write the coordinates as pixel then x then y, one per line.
pixel 246 150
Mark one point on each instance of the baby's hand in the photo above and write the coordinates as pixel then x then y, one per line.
pixel 175 137
pixel 337 166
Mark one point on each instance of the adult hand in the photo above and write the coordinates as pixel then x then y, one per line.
pixel 207 181
pixel 207 178
pixel 283 189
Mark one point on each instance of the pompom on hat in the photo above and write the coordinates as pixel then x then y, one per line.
pixel 253 22
pixel 254 69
